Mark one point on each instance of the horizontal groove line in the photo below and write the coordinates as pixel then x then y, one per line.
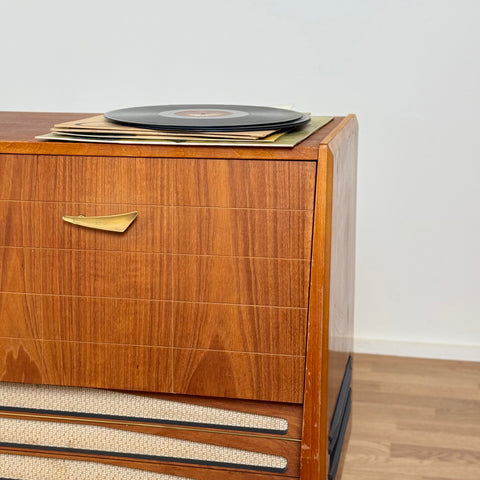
pixel 150 425
pixel 156 205
pixel 136 299
pixel 139 252
pixel 164 347
pixel 192 302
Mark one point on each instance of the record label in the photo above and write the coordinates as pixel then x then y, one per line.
pixel 204 113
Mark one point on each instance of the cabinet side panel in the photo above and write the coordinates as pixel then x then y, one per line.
pixel 342 270
pixel 343 149
pixel 330 320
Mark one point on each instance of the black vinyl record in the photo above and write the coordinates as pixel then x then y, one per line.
pixel 208 118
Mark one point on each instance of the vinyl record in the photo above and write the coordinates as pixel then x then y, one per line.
pixel 208 118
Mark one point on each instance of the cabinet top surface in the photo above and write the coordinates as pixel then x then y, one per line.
pixel 18 131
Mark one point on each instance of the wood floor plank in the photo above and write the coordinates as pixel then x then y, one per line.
pixel 414 419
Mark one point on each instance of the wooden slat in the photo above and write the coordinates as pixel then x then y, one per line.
pixel 242 232
pixel 272 378
pixel 239 280
pixel 244 184
pixel 239 328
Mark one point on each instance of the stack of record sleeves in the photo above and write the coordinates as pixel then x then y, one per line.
pixel 192 124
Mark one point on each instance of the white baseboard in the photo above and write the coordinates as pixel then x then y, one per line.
pixel 417 349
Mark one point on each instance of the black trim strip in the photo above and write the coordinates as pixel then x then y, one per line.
pixel 158 458
pixel 154 421
pixel 340 404
pixel 337 450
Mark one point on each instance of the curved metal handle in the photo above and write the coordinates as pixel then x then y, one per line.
pixel 111 223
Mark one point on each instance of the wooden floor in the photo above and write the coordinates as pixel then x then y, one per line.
pixel 414 419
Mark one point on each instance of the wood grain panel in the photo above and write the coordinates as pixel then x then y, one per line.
pixel 106 320
pixel 239 328
pixel 242 232
pixel 142 181
pixel 108 365
pixel 244 184
pixel 40 224
pixel 16 226
pixel 20 315
pixel 19 270
pixel 238 375
pixel 85 273
pixel 21 360
pixel 18 176
pixel 105 274
pixel 239 280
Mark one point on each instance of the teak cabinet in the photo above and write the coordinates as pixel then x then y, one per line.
pixel 232 288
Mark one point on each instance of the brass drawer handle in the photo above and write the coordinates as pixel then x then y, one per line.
pixel 111 223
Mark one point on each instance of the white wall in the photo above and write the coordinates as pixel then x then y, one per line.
pixel 410 70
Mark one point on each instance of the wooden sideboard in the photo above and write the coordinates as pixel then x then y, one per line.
pixel 232 288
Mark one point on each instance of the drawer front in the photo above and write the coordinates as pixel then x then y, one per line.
pixel 197 231
pixel 213 271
